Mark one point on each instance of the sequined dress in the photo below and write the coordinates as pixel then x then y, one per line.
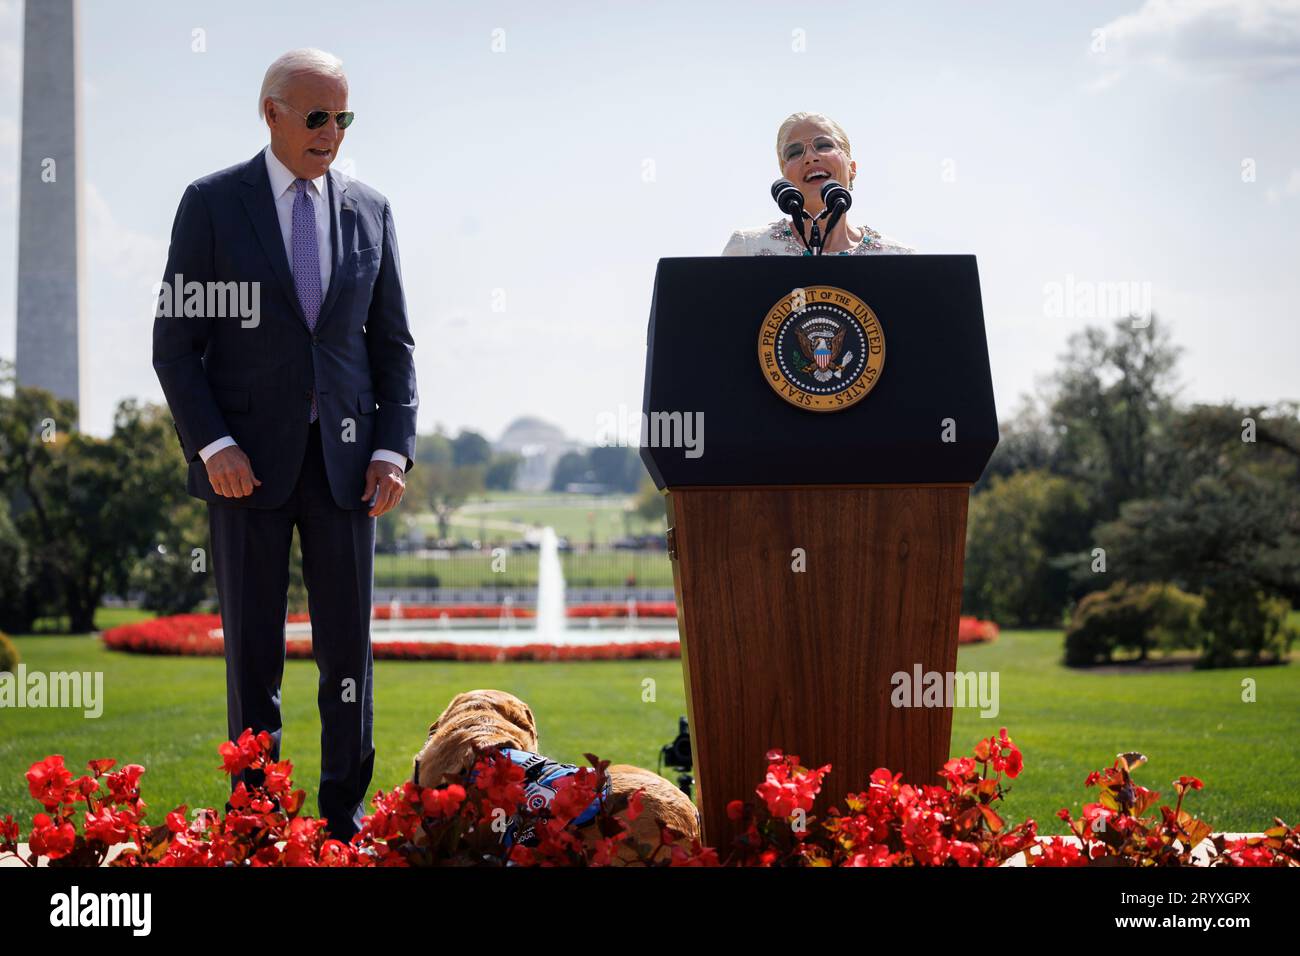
pixel 778 239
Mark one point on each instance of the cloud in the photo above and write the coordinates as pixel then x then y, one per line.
pixel 1248 40
pixel 124 253
pixel 123 265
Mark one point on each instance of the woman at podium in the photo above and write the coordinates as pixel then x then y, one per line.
pixel 811 150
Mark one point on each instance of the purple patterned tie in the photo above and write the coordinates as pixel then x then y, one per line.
pixel 306 261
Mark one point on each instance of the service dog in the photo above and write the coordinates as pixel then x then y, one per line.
pixel 479 721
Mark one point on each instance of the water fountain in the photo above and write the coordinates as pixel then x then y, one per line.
pixel 551 624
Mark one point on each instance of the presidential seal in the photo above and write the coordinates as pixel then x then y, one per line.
pixel 821 348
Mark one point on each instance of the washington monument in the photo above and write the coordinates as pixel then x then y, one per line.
pixel 51 257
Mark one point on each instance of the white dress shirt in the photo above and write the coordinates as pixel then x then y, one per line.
pixel 284 191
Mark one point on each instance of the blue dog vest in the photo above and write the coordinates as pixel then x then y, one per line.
pixel 540 777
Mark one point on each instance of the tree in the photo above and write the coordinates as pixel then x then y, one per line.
pixel 450 471
pixel 1026 442
pixel 1021 536
pixel 501 473
pixel 470 448
pixel 650 506
pixel 14 573
pixel 33 428
pixel 1113 402
pixel 572 467
pixel 1226 525
pixel 174 577
pixel 88 509
pixel 433 449
pixel 616 467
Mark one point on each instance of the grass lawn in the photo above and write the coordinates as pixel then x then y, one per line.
pixel 457 570
pixel 168 713
pixel 1069 722
pixel 576 517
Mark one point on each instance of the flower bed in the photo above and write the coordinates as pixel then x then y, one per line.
pixel 656 609
pixel 191 634
pixel 891 823
pixel 971 630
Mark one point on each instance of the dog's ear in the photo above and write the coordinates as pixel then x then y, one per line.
pixel 468 757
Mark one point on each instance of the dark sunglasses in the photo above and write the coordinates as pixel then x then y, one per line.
pixel 318 118
pixel 820 144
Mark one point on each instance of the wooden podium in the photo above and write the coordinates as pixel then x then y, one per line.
pixel 815 553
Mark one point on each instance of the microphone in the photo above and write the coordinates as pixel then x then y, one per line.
pixel 837 199
pixel 790 200
pixel 788 197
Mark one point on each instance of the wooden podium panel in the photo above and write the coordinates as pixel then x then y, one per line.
pixel 803 661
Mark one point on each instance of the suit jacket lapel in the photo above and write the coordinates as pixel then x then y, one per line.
pixel 342 226
pixel 260 205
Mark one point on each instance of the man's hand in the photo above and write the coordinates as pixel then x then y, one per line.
pixel 231 473
pixel 387 477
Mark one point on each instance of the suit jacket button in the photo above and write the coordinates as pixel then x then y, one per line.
pixel 307 394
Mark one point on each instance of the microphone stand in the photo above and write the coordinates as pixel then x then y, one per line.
pixel 815 239
pixel 790 201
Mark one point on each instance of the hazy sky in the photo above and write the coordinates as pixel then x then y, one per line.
pixel 542 157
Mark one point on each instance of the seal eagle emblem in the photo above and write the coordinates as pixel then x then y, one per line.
pixel 821 348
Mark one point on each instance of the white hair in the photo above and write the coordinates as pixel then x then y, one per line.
pixel 289 65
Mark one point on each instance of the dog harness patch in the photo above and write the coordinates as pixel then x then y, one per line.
pixel 541 774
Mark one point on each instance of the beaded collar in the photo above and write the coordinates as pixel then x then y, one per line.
pixel 781 232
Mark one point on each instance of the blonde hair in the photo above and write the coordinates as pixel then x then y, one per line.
pixel 794 119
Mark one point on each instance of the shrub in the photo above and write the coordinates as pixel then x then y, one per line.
pixel 1245 626
pixel 1132 617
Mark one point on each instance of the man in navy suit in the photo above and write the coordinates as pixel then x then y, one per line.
pixel 300 412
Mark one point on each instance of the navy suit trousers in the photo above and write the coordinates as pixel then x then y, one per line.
pixel 250 555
